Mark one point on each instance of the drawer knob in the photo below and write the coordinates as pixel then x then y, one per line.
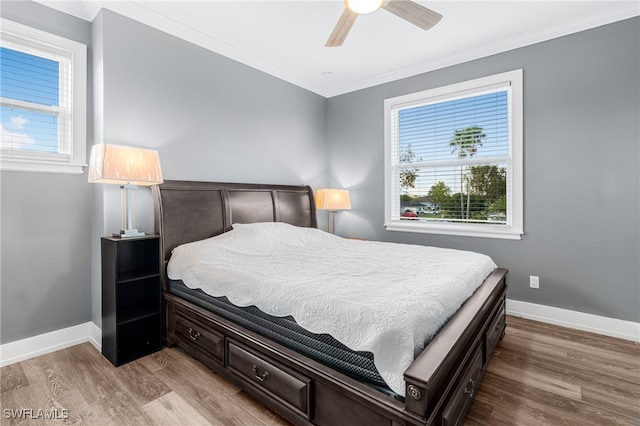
pixel 469 389
pixel 262 377
pixel 193 334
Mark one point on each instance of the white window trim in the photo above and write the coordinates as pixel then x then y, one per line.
pixel 43 162
pixel 512 231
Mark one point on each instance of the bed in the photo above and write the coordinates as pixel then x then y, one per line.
pixel 437 386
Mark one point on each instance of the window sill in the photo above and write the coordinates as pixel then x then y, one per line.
pixel 40 166
pixel 455 230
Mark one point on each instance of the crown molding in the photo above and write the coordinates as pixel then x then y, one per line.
pixel 86 10
pixel 136 10
pixel 625 11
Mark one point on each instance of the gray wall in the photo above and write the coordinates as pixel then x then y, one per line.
pixel 214 119
pixel 209 117
pixel 45 224
pixel 581 177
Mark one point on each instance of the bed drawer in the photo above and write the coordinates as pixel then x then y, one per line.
pixel 464 391
pixel 494 332
pixel 199 335
pixel 290 389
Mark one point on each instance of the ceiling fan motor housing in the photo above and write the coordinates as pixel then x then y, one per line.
pixel 362 7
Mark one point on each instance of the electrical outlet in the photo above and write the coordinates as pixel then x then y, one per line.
pixel 534 281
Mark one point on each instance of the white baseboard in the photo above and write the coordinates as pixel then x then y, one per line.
pixel 621 329
pixel 90 332
pixel 50 342
pixel 96 336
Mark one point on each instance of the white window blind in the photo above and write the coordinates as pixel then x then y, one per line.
pixel 454 159
pixel 43 87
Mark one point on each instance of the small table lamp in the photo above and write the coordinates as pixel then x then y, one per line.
pixel 332 200
pixel 128 167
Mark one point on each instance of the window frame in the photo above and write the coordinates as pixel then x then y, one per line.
pixel 73 158
pixel 515 228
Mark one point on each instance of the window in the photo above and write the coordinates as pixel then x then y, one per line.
pixel 43 95
pixel 453 159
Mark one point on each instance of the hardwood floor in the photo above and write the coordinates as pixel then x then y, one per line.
pixel 540 375
pixel 545 374
pixel 166 388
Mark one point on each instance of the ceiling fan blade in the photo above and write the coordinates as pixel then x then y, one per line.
pixel 340 31
pixel 413 12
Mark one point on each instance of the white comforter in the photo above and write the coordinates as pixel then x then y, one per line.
pixel 385 298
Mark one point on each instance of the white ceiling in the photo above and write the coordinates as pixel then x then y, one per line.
pixel 286 38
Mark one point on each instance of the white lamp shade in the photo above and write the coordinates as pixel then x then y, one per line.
pixel 124 165
pixel 332 199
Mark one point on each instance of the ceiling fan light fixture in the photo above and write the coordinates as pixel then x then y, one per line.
pixel 362 7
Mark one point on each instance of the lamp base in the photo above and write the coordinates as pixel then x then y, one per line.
pixel 129 233
pixel 331 222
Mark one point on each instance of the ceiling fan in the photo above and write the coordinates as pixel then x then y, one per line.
pixel 405 9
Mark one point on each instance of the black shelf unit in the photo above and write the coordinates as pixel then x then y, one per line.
pixel 131 298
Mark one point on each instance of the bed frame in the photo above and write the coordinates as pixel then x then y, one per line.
pixel 440 384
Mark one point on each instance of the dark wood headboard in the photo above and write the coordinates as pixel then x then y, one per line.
pixel 187 211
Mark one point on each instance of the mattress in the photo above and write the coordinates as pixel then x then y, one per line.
pixel 383 298
pixel 285 331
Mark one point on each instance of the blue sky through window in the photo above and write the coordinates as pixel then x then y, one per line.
pixel 428 129
pixel 29 78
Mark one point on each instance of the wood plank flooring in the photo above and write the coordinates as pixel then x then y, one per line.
pixel 541 374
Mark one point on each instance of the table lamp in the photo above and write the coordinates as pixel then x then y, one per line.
pixel 128 167
pixel 332 200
